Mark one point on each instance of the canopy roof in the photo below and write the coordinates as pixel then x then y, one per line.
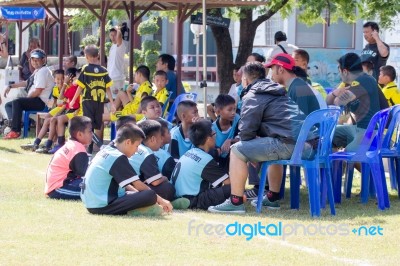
pixel 139 4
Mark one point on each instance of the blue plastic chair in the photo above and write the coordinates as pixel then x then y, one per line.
pixel 391 148
pixel 326 119
pixel 182 97
pixel 166 103
pixel 26 120
pixel 369 155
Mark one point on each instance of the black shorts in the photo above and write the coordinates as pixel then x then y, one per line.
pixel 94 110
pixel 210 197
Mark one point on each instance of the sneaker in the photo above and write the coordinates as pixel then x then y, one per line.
pixel 12 135
pixel 30 147
pixel 272 205
pixel 180 203
pixel 252 194
pixel 153 210
pixel 55 148
pixel 6 130
pixel 227 207
pixel 43 150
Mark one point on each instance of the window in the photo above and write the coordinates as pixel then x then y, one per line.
pixel 337 35
pixel 272 25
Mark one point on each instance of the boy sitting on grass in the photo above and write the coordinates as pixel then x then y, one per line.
pixel 69 164
pixel 165 162
pixel 180 142
pixel 197 175
pixel 144 162
pixel 112 187
pixel 226 127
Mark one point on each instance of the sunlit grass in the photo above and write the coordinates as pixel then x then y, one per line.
pixel 36 230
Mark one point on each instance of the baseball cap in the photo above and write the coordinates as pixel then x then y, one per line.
pixel 38 54
pixel 284 60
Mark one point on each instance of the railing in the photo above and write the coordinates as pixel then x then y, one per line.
pixel 189 67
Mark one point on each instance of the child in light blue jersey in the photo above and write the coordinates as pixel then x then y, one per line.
pixel 197 175
pixel 166 163
pixel 180 142
pixel 225 127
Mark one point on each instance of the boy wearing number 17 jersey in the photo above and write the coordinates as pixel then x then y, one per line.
pixel 94 83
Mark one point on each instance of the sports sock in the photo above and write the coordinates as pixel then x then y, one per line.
pixel 49 143
pixel 97 140
pixel 273 196
pixel 37 141
pixel 61 140
pixel 236 200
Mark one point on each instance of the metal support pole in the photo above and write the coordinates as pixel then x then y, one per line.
pixel 131 40
pixel 204 82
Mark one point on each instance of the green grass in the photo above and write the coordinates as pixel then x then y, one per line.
pixel 36 230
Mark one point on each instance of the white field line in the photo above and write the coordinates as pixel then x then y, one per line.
pixel 285 243
pixel 20 165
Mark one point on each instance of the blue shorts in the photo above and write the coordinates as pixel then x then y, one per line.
pixel 70 191
pixel 262 149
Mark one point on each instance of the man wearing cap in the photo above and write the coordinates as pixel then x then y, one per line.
pixel 360 98
pixel 39 90
pixel 285 72
pixel 282 46
pixel 376 49
pixel 268 129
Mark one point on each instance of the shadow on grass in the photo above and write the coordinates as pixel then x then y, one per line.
pixel 349 209
pixel 9 150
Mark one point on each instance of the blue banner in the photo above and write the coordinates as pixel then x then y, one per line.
pixel 22 13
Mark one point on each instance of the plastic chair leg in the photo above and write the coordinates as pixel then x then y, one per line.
pixel 376 176
pixel 384 185
pixel 397 161
pixel 349 179
pixel 113 131
pixel 313 191
pixel 282 189
pixel 25 125
pixel 337 180
pixel 392 173
pixel 329 189
pixel 295 180
pixel 365 181
pixel 263 180
pixel 322 173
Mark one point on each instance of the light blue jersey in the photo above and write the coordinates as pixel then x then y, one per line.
pixel 222 136
pixel 165 162
pixel 179 144
pixel 145 164
pixel 195 172
pixel 106 178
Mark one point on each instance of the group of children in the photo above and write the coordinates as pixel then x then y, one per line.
pixel 136 173
pixel 150 167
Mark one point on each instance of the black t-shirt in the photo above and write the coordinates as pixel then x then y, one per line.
pixel 94 80
pixel 366 104
pixel 372 51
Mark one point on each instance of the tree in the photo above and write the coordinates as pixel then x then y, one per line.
pixel 310 13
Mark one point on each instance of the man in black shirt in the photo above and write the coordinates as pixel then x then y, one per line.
pixel 376 48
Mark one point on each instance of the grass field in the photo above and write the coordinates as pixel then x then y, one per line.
pixel 36 230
